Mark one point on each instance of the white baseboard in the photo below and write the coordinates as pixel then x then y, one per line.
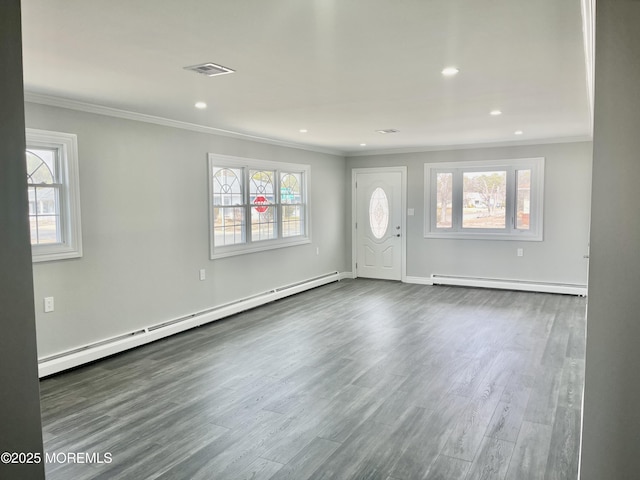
pixel 95 351
pixel 418 280
pixel 523 285
pixel 346 275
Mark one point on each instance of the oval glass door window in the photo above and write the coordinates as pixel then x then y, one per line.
pixel 379 213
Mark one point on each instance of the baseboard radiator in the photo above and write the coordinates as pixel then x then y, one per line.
pixel 104 348
pixel 527 286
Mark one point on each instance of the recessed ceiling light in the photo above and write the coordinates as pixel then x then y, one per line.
pixel 495 113
pixel 303 130
pixel 450 71
pixel 518 132
pixel 363 144
pixel 201 105
pixel 388 130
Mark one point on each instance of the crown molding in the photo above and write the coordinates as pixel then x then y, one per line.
pixel 470 146
pixel 60 102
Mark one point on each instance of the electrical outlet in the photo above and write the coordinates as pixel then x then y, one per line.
pixel 203 274
pixel 48 304
pixel 520 252
pixel 317 250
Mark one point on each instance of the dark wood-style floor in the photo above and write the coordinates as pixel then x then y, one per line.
pixel 360 379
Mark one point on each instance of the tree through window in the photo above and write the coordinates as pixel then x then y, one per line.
pixel 499 199
pixel 484 199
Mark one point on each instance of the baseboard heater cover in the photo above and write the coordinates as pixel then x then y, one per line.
pixel 104 348
pixel 524 285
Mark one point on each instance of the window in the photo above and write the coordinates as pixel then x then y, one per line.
pixel 54 197
pixel 378 213
pixel 499 199
pixel 256 205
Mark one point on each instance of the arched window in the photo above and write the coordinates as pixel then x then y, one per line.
pixel 44 197
pixel 262 197
pixel 228 206
pixel 54 197
pixel 292 205
pixel 257 205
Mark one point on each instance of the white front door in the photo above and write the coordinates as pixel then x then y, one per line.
pixel 379 224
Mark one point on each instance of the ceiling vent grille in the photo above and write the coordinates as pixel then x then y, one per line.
pixel 210 69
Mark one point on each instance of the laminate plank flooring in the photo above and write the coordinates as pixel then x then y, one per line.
pixel 360 379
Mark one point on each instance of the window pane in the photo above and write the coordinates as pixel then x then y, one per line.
pixel 33 204
pixel 48 229
pixel 484 198
pixel 444 192
pixel 228 226
pixel 378 213
pixel 47 200
pixel 33 225
pixel 227 186
pixel 44 215
pixel 44 203
pixel 292 221
pixel 263 223
pixel 262 197
pixel 41 166
pixel 523 206
pixel 261 191
pixel 290 188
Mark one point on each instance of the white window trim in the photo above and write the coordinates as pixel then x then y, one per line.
pixel 67 144
pixel 217 160
pixel 535 233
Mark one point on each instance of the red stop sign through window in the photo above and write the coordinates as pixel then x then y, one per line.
pixel 261 204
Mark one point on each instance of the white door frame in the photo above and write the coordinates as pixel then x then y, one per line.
pixel 403 216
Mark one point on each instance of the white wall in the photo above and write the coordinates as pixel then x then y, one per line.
pixel 557 259
pixel 611 430
pixel 144 196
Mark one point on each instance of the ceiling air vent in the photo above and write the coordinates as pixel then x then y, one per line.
pixel 210 69
pixel 388 130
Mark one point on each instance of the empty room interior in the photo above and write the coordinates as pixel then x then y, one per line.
pixel 320 239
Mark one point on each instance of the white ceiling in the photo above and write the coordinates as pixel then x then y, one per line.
pixel 339 68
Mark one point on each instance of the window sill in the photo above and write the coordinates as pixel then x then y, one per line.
pixel 223 252
pixel 522 237
pixel 39 254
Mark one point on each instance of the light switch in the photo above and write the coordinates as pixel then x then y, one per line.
pixel 48 304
